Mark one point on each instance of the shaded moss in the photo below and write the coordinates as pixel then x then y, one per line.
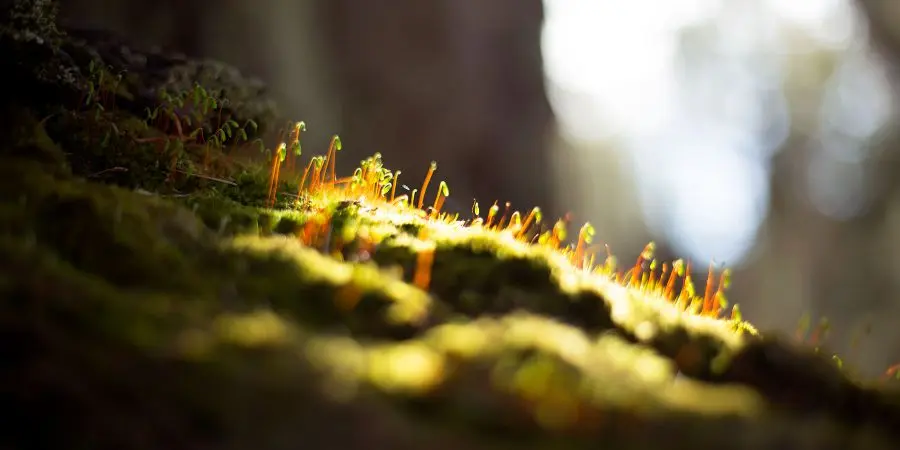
pixel 225 215
pixel 27 139
pixel 101 146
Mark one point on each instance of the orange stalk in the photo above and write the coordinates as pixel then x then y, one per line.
pixel 317 175
pixel 708 293
pixel 272 175
pixel 533 216
pixel 635 271
pixel 295 143
pixel 443 192
pixel 503 217
pixel 428 175
pixel 424 262
pixel 303 178
pixel 364 175
pixel 330 156
pixel 336 143
pixel 438 203
pixel 394 185
pixel 720 291
pixel 670 285
pixel 491 214
pixel 279 159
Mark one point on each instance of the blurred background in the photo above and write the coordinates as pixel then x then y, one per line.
pixel 755 134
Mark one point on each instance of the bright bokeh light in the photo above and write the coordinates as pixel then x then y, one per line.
pixel 693 92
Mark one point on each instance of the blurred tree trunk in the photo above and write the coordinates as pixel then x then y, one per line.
pixel 456 81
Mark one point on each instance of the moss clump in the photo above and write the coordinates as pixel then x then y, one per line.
pixel 159 295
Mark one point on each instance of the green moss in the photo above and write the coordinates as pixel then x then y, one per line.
pixel 161 308
pixel 101 146
pixel 27 139
pixel 225 215
pixel 251 188
pixel 164 284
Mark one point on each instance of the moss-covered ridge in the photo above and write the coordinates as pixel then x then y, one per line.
pixel 247 333
pixel 161 295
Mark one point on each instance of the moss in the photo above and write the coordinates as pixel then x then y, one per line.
pixel 152 299
pixel 225 215
pixel 27 139
pixel 153 285
pixel 34 64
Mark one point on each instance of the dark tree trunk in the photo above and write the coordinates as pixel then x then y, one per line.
pixel 460 82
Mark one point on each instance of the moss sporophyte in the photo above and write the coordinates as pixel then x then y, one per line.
pixel 373 188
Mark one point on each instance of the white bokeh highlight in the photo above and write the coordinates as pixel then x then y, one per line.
pixel 692 92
